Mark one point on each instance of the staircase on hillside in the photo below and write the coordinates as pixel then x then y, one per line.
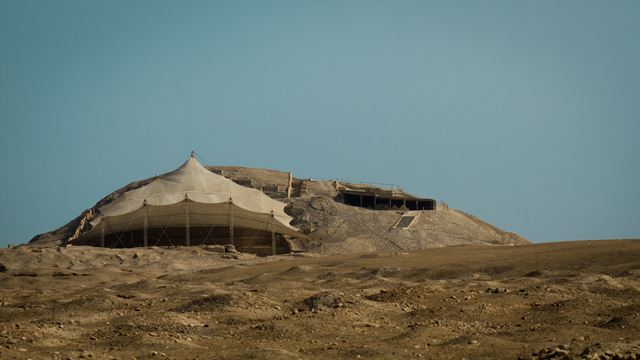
pixel 406 220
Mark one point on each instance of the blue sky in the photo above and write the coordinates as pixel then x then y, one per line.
pixel 524 113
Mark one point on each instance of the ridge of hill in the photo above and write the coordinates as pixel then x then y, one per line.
pixel 332 226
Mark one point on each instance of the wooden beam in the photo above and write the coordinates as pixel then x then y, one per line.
pixel 231 235
pixel 146 225
pixel 273 234
pixel 102 232
pixel 187 224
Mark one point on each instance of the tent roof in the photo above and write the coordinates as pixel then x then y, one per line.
pixel 192 182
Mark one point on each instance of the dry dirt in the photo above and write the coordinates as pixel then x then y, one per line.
pixel 560 300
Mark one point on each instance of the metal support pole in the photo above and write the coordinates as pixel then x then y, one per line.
pixel 273 234
pixel 146 225
pixel 231 235
pixel 187 224
pixel 102 232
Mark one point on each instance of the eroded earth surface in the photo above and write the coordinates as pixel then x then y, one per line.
pixel 561 300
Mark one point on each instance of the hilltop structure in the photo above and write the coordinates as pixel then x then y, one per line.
pixel 257 209
pixel 190 206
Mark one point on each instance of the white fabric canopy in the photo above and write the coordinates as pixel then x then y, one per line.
pixel 209 198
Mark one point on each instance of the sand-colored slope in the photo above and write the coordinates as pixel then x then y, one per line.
pixel 478 302
pixel 340 228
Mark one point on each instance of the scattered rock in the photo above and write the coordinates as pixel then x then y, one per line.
pixel 212 302
pixel 230 249
pixel 26 273
pixel 325 299
pixel 497 290
pixel 592 352
pixel 215 248
pixel 534 273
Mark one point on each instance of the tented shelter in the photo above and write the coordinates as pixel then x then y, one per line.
pixel 191 206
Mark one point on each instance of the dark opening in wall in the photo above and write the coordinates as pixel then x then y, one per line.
pixel 245 240
pixel 382 203
pixel 350 199
pixel 426 205
pixel 372 201
pixel 368 201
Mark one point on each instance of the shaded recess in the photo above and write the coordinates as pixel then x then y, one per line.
pixel 380 199
pixel 246 240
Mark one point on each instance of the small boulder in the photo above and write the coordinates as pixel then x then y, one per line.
pixel 325 299
pixel 215 248
pixel 497 290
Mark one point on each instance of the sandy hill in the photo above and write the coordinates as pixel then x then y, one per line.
pixel 332 226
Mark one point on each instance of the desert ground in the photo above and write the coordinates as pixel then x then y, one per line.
pixel 560 300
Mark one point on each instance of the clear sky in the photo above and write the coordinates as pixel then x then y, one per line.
pixel 524 113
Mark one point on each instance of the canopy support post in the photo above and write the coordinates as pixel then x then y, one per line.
pixel 146 225
pixel 273 234
pixel 231 234
pixel 102 233
pixel 187 223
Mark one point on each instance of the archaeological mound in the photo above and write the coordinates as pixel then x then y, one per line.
pixel 268 212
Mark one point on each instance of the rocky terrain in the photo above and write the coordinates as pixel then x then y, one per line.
pixel 336 228
pixel 569 300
